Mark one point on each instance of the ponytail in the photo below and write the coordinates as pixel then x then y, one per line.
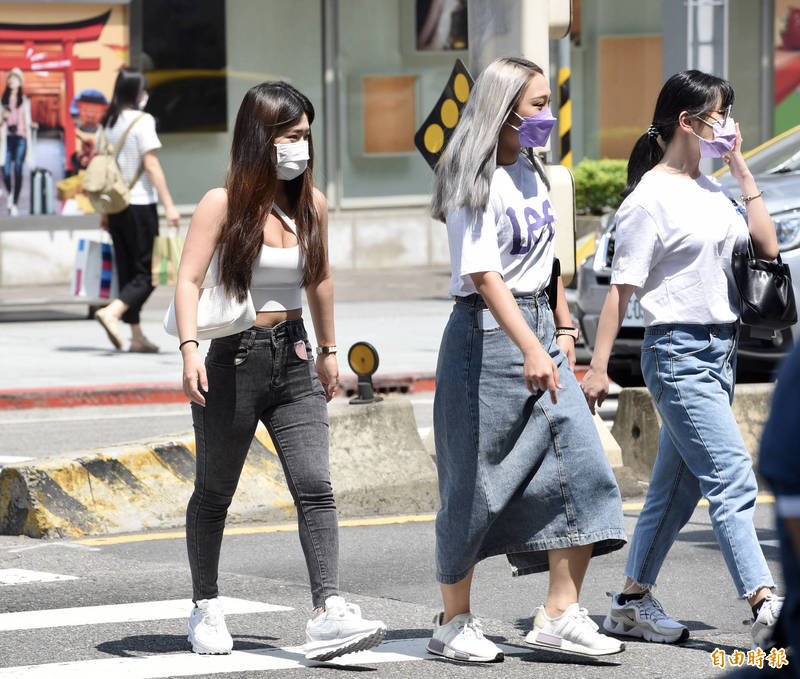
pixel 646 154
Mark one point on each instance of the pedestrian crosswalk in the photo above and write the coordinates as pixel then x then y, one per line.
pixel 187 664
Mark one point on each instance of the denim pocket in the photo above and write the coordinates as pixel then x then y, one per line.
pixel 683 344
pixel 225 354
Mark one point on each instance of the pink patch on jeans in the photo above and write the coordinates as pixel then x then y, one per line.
pixel 300 350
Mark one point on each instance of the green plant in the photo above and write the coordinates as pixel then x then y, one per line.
pixel 598 184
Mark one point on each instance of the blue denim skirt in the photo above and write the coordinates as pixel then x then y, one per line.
pixel 517 475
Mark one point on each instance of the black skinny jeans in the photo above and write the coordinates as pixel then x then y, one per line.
pixel 260 374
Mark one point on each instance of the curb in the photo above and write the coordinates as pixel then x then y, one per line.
pixel 147 485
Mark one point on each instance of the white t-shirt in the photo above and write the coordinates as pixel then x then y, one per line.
pixel 513 236
pixel 674 241
pixel 141 139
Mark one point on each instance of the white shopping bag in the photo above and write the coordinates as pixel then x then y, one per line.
pixel 94 275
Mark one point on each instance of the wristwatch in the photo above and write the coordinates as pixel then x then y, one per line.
pixel 326 350
pixel 572 332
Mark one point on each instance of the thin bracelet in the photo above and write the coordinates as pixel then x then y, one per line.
pixel 747 199
pixel 565 327
pixel 180 346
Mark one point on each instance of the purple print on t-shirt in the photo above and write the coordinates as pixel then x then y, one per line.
pixel 536 228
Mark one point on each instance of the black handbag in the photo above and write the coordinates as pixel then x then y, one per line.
pixel 766 297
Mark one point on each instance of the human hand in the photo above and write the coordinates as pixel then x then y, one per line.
pixel 735 160
pixel 173 216
pixel 541 373
pixel 194 374
pixel 567 345
pixel 328 371
pixel 595 387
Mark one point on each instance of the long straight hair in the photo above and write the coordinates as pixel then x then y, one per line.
pixel 464 173
pixel 128 89
pixel 6 98
pixel 692 91
pixel 266 111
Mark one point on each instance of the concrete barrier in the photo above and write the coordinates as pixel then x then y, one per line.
pixel 637 423
pixel 378 465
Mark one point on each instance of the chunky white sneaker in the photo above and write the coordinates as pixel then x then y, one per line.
pixel 208 633
pixel 12 210
pixel 340 629
pixel 462 639
pixel 572 632
pixel 763 627
pixel 644 619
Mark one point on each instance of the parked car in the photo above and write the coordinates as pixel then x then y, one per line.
pixel 776 167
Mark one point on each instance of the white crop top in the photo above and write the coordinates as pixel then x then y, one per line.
pixel 278 275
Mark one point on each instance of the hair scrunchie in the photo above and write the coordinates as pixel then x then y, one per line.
pixel 652 131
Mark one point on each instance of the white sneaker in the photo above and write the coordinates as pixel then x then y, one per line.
pixel 208 633
pixel 340 629
pixel 644 619
pixel 12 210
pixel 573 632
pixel 462 639
pixel 763 627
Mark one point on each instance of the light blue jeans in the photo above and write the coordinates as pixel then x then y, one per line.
pixel 689 371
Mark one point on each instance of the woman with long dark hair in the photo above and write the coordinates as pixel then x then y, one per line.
pixel 16 136
pixel 675 233
pixel 127 126
pixel 522 470
pixel 267 232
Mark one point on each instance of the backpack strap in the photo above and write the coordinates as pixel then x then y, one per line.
pixel 120 144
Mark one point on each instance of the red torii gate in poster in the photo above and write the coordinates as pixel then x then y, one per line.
pixel 66 34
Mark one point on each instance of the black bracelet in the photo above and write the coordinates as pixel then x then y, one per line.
pixel 565 327
pixel 180 346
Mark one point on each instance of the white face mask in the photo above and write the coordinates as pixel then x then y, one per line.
pixel 143 102
pixel 292 159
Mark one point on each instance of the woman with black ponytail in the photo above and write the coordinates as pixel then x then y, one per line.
pixel 675 232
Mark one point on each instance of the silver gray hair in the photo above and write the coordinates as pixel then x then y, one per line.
pixel 465 170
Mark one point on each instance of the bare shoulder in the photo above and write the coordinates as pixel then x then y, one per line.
pixel 319 201
pixel 210 211
pixel 214 201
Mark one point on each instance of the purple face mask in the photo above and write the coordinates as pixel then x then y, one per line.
pixel 723 141
pixel 535 130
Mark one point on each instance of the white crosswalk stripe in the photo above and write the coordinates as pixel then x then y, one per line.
pixel 190 664
pixel 118 613
pixel 19 576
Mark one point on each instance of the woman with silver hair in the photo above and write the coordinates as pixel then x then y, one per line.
pixel 522 470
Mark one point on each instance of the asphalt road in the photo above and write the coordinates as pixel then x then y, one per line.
pixel 387 569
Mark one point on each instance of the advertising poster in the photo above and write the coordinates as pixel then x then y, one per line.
pixel 58 63
pixel 787 64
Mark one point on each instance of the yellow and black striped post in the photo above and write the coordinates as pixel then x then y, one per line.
pixel 564 116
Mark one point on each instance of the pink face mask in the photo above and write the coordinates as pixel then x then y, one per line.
pixel 723 141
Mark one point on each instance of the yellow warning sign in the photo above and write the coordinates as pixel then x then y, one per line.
pixel 438 127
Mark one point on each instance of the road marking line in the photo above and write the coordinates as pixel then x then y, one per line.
pixel 252 530
pixel 116 613
pixel 92 418
pixel 770 543
pixel 424 431
pixel 19 576
pixel 762 499
pixel 289 527
pixel 10 459
pixel 45 545
pixel 189 664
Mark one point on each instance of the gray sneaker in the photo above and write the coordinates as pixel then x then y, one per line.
pixel 763 627
pixel 462 639
pixel 644 619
